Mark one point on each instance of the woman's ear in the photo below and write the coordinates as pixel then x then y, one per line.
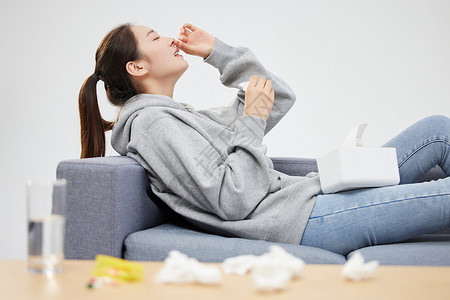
pixel 135 68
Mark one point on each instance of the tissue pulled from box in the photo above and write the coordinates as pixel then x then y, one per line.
pixel 179 268
pixel 354 137
pixel 356 269
pixel 270 271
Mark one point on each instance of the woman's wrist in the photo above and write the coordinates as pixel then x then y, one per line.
pixel 210 49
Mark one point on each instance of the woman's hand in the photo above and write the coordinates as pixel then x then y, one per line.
pixel 259 97
pixel 195 41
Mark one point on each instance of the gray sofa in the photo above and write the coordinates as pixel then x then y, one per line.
pixel 111 210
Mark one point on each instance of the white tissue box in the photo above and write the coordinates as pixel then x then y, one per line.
pixel 349 168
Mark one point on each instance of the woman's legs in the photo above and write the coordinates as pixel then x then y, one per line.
pixel 346 221
pixel 422 146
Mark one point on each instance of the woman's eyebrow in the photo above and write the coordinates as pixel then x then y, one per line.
pixel 148 33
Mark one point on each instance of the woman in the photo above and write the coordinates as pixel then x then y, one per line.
pixel 210 165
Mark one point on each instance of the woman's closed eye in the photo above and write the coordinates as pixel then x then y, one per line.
pixel 156 38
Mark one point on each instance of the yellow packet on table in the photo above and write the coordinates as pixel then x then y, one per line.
pixel 118 268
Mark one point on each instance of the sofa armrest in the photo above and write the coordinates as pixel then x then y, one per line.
pixel 107 199
pixel 294 166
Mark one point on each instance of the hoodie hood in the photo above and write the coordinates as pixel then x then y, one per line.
pixel 121 132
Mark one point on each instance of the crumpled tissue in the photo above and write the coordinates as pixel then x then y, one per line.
pixel 179 268
pixel 271 271
pixel 239 265
pixel 356 269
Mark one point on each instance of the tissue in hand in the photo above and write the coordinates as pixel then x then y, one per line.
pixel 354 166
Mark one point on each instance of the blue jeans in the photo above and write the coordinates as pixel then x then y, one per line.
pixel 346 221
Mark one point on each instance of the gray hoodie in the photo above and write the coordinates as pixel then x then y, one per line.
pixel 210 166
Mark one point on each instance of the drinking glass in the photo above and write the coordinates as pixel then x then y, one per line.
pixel 46 200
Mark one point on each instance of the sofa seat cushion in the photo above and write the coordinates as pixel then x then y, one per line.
pixel 155 243
pixel 426 250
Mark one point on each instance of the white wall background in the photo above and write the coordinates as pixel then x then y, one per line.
pixel 384 62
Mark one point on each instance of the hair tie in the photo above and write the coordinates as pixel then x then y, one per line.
pixel 96 76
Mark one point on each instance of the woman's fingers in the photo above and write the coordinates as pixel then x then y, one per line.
pixel 190 26
pixel 268 85
pixel 186 32
pixel 185 47
pixel 183 32
pixel 253 80
pixel 268 89
pixel 261 83
pixel 259 97
pixel 195 40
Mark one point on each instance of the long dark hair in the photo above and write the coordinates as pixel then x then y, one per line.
pixel 117 48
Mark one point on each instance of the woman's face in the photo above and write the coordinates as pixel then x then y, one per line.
pixel 159 54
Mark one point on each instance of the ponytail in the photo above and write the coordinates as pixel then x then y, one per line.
pixel 117 48
pixel 93 126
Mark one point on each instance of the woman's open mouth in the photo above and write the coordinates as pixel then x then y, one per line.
pixel 177 53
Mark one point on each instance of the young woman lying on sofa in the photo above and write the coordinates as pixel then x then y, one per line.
pixel 210 165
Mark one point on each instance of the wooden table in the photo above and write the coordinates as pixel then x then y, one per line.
pixel 316 282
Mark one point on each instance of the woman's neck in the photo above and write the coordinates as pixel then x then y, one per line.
pixel 165 87
pixel 166 91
